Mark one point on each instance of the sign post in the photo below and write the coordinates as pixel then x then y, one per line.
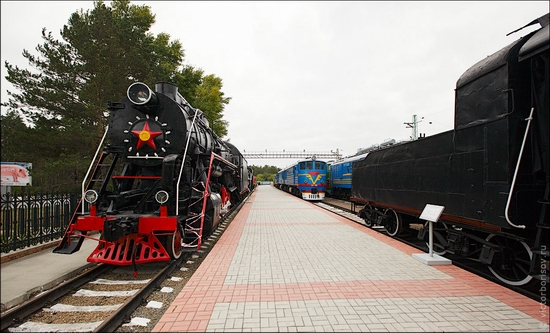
pixel 431 213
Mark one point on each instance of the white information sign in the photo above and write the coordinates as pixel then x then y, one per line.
pixel 431 213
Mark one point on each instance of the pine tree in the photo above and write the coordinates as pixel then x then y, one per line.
pixel 102 51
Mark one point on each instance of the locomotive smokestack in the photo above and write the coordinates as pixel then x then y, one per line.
pixel 168 89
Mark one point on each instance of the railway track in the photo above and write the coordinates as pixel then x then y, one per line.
pixel 344 209
pixel 108 298
pixel 97 300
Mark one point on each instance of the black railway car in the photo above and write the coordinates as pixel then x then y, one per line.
pixel 160 186
pixel 491 172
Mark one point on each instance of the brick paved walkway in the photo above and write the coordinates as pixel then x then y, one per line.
pixel 285 265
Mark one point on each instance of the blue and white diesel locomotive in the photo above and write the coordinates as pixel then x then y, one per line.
pixel 306 179
pixel 339 176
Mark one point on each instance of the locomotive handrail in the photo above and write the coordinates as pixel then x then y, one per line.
pixel 183 162
pixel 516 172
pixel 92 163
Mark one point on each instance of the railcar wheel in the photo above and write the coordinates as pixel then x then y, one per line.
pixel 393 223
pixel 439 234
pixel 173 244
pixel 367 215
pixel 511 266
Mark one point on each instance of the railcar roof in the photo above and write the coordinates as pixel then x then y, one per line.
pixel 490 63
pixel 297 162
pixel 536 44
pixel 533 42
pixel 350 159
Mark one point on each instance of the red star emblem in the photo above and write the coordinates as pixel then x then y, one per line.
pixel 145 136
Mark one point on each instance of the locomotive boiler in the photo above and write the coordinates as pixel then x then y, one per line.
pixel 160 185
pixel 491 172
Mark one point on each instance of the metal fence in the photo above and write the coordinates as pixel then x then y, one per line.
pixel 31 219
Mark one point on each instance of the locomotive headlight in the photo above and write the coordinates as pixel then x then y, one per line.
pixel 161 196
pixel 91 196
pixel 140 94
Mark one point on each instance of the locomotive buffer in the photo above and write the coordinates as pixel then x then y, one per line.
pixel 431 213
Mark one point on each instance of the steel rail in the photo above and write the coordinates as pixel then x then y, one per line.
pixel 125 311
pixel 19 313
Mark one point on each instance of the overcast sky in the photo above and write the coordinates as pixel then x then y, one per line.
pixel 313 75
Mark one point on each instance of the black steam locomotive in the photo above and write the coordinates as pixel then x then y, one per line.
pixel 491 173
pixel 160 186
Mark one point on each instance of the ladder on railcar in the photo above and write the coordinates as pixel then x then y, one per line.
pixel 193 225
pixel 71 243
pixel 196 208
pixel 194 222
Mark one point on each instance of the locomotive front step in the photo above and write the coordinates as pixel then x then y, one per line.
pixel 69 245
